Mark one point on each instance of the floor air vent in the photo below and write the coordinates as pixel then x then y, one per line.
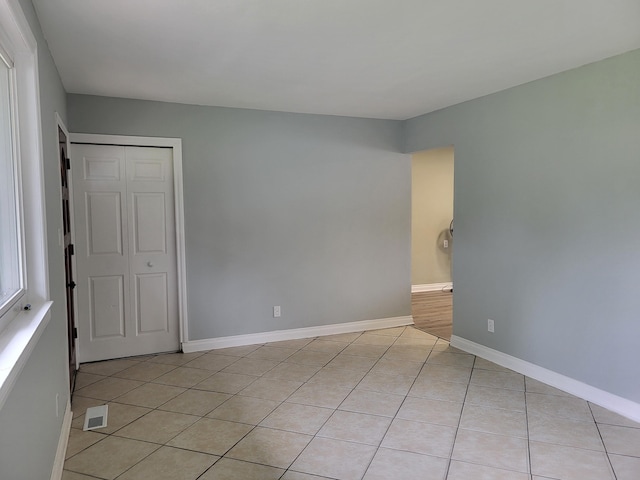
pixel 96 417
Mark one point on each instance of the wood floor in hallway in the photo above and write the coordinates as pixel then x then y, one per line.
pixel 432 312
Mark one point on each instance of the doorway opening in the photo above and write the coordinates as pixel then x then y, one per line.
pixel 432 174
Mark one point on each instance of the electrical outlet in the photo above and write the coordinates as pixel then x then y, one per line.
pixel 490 325
pixel 276 311
pixel 446 244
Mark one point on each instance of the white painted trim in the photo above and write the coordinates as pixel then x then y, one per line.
pixel 58 463
pixel 622 406
pixel 180 240
pixel 99 139
pixel 294 334
pixel 431 287
pixel 178 193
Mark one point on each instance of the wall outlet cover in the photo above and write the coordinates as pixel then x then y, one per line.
pixel 490 325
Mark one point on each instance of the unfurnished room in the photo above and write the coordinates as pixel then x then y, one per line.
pixel 319 240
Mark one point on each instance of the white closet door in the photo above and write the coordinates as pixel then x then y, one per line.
pixel 125 252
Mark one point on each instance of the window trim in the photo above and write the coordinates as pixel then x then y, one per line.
pixel 21 334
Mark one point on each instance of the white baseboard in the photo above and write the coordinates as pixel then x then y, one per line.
pixel 58 463
pixel 431 287
pixel 293 334
pixel 622 406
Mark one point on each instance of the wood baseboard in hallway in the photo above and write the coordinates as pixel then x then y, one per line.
pixel 433 313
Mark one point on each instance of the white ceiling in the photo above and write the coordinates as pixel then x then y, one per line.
pixel 392 59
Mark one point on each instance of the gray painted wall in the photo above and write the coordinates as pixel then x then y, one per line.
pixel 547 224
pixel 29 424
pixel 308 212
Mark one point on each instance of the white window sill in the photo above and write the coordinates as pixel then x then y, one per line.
pixel 17 341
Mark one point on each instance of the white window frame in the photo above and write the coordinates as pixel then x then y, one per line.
pixel 7 310
pixel 24 327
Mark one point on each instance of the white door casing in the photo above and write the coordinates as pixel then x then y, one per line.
pixel 129 253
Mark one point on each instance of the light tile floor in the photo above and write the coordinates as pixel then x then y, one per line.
pixel 386 404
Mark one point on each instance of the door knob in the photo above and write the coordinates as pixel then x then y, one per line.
pixel 149 264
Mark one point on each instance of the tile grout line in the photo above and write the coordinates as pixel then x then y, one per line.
pixel 526 418
pixel 455 437
pixel 604 445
